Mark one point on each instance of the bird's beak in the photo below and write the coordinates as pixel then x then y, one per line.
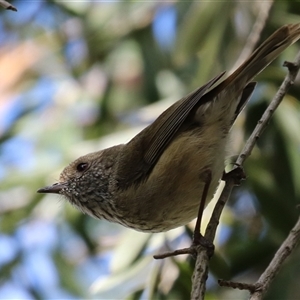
pixel 54 189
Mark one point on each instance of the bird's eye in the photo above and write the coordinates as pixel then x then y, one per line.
pixel 81 167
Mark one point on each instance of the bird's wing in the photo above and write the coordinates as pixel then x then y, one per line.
pixel 144 150
pixel 171 121
pixel 246 94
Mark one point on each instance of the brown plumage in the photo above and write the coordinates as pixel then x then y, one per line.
pixel 155 182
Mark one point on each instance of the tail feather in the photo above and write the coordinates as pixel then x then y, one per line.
pixel 262 57
pixel 267 52
pixel 231 95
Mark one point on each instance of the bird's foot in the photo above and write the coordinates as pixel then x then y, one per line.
pixel 237 174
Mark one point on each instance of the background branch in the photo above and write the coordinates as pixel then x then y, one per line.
pixel 283 252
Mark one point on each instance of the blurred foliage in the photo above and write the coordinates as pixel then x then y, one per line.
pixel 81 76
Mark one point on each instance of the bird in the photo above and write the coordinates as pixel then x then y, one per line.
pixel 164 177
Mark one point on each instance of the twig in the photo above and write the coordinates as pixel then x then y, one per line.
pixel 283 252
pixel 189 250
pixel 263 122
pixel 200 274
pixel 7 5
pixel 201 267
pixel 259 288
pixel 237 285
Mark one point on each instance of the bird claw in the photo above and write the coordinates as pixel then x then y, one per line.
pixel 200 240
pixel 237 174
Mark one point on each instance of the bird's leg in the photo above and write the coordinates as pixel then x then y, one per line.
pixel 237 175
pixel 198 238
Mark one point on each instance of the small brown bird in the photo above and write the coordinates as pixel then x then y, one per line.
pixel 156 181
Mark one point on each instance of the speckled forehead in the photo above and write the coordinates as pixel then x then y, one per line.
pixel 66 172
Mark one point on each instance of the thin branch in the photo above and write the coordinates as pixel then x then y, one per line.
pixel 7 5
pixel 283 252
pixel 263 122
pixel 238 285
pixel 166 254
pixel 201 267
pixel 200 274
pixel 259 288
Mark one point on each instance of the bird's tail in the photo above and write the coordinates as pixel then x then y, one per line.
pixel 266 53
pixel 237 87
